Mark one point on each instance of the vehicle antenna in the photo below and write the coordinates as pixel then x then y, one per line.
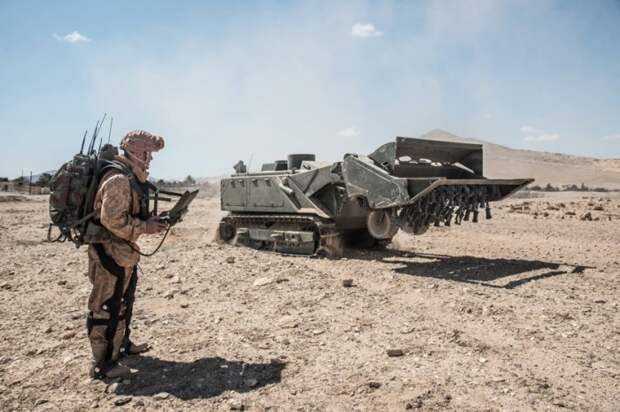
pixel 250 162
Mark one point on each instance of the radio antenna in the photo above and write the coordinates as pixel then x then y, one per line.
pixel 92 139
pixel 101 123
pixel 83 140
pixel 110 133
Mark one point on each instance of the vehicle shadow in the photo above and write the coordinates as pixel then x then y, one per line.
pixel 471 269
pixel 200 379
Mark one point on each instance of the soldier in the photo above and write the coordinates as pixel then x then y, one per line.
pixel 121 206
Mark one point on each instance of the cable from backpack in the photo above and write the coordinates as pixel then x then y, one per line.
pixel 156 249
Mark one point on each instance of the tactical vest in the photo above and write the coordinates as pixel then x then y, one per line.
pixel 95 231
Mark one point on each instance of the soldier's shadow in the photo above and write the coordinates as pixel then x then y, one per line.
pixel 200 379
pixel 471 269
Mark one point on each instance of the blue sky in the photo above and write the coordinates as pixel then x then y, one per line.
pixel 224 81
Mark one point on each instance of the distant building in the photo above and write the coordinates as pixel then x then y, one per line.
pixel 18 187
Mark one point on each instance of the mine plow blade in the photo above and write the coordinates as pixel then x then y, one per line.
pixel 443 201
pixel 492 189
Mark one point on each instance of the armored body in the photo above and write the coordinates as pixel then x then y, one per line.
pixel 304 206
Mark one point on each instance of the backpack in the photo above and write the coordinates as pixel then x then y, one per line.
pixel 72 195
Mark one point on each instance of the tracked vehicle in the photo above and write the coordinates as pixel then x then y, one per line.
pixel 304 206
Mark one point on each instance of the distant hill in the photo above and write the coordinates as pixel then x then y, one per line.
pixel 554 168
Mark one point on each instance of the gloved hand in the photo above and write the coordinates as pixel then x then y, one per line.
pixel 154 225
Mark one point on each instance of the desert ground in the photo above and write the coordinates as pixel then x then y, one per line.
pixel 516 313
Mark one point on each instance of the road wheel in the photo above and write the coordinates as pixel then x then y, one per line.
pixel 226 231
pixel 381 224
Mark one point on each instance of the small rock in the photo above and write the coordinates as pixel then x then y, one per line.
pixel 5 285
pixel 263 281
pixel 94 405
pixel 61 282
pixel 139 402
pixel 68 335
pixel 161 396
pixel 122 400
pixel 599 208
pixel 67 359
pixel 250 382
pixel 288 322
pixel 49 329
pixel 184 305
pixel 392 353
pixel 587 216
pixel 281 280
pixel 160 267
pixel 374 385
pixel 40 402
pixel 169 294
pixel 347 283
pixel 600 301
pixel 236 405
pixel 4 359
pixel 175 279
pixel 111 388
pixel 318 332
pixel 483 360
pixel 230 259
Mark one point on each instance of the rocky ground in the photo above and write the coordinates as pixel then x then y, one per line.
pixel 516 313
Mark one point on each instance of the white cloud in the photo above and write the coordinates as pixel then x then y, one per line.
pixel 531 130
pixel 349 132
pixel 74 37
pixel 612 137
pixel 537 135
pixel 487 116
pixel 365 30
pixel 547 137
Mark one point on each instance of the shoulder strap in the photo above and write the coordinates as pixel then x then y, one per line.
pixel 122 168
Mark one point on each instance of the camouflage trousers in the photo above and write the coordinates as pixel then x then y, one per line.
pixel 110 305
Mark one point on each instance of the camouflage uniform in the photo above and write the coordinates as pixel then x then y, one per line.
pixel 113 263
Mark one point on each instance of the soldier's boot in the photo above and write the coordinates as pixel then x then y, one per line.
pixel 129 348
pixel 108 370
